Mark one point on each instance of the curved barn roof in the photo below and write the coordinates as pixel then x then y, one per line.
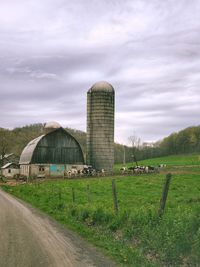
pixel 27 152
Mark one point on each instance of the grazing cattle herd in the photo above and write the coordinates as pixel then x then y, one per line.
pixel 141 169
pixel 86 171
pixel 89 171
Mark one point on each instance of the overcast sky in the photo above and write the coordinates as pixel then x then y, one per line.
pixel 53 51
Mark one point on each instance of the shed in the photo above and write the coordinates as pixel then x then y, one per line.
pixel 10 169
pixel 7 158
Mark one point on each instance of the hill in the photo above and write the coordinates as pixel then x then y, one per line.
pixel 184 141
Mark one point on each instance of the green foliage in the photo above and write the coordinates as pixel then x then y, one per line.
pixel 3 179
pixel 5 144
pixel 185 141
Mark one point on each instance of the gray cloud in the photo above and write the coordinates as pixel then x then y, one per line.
pixel 51 52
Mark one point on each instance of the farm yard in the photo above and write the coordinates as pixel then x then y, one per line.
pixel 136 235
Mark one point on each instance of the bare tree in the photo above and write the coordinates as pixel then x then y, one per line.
pixel 135 143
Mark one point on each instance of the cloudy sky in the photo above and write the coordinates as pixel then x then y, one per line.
pixel 53 51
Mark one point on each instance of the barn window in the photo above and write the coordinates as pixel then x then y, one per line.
pixel 41 168
pixel 9 170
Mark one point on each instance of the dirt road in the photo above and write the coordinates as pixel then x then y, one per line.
pixel 28 238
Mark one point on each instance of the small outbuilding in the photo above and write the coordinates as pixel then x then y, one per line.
pixel 8 158
pixel 51 154
pixel 9 170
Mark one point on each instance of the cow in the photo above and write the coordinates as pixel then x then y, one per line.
pixel 89 171
pixel 123 170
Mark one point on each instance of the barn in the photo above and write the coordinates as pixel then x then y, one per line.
pixel 51 154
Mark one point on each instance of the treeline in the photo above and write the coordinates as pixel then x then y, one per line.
pixel 185 141
pixel 124 154
pixel 182 142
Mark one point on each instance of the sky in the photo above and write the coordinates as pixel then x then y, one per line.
pixel 53 51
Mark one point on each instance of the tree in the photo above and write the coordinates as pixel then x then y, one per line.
pixel 5 137
pixel 135 142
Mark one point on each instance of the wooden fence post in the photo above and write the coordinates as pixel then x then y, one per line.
pixel 114 193
pixel 73 195
pixel 164 194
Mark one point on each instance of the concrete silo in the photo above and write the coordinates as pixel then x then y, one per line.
pixel 100 126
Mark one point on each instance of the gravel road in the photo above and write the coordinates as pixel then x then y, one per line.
pixel 29 238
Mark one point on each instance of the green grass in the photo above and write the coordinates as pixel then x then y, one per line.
pixel 136 236
pixel 175 160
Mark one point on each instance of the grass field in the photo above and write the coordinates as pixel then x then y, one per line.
pixel 180 160
pixel 136 236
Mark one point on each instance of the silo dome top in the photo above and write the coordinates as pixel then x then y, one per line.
pixel 102 86
pixel 52 125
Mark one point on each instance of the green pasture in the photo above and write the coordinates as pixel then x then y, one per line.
pixel 136 236
pixel 174 160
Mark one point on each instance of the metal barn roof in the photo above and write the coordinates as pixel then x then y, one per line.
pixel 7 165
pixel 27 153
pixel 6 156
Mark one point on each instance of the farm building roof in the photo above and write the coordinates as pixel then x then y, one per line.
pixel 6 156
pixel 8 165
pixel 102 86
pixel 27 153
pixel 42 149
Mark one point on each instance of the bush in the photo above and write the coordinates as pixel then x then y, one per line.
pixel 3 178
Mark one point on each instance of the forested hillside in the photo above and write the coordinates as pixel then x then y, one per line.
pixel 185 141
